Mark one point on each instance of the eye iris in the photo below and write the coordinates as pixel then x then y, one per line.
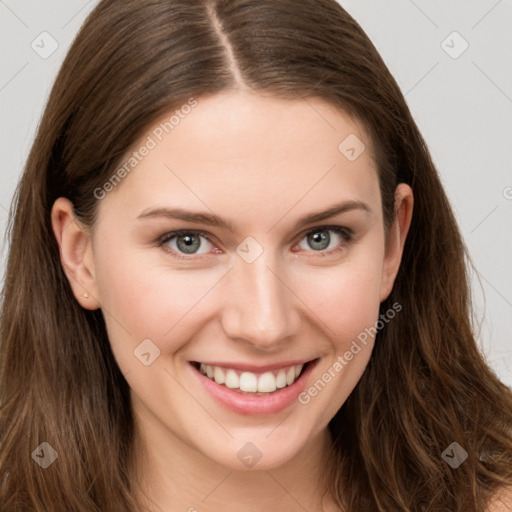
pixel 191 245
pixel 319 237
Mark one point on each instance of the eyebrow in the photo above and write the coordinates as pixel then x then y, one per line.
pixel 213 220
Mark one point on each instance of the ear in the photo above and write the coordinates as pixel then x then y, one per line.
pixel 398 230
pixel 76 254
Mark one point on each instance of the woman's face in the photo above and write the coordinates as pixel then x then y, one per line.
pixel 255 286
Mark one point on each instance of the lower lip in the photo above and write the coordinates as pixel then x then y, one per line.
pixel 255 405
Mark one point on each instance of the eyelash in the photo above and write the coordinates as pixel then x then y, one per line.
pixel 347 234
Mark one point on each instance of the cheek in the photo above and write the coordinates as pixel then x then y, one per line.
pixel 141 299
pixel 346 297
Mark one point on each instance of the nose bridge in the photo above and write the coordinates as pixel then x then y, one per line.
pixel 260 306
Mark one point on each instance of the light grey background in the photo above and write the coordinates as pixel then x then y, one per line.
pixel 462 104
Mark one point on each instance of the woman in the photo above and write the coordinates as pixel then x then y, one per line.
pixel 237 280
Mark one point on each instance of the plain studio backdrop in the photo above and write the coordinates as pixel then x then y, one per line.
pixel 452 61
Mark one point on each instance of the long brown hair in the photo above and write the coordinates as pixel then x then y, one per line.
pixel 426 385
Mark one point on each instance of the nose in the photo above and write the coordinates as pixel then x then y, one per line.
pixel 260 307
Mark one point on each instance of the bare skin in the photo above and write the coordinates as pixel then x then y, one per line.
pixel 259 163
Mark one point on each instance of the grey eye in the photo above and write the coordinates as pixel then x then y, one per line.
pixel 319 239
pixel 189 243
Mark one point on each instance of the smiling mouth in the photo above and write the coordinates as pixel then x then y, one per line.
pixel 253 383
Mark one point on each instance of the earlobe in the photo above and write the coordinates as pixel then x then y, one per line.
pixel 399 228
pixel 75 250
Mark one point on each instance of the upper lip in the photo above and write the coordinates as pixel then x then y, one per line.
pixel 248 367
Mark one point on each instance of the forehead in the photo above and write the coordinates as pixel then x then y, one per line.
pixel 239 152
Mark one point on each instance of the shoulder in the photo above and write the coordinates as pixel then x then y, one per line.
pixel 501 501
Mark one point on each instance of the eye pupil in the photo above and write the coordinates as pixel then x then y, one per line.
pixel 319 237
pixel 190 245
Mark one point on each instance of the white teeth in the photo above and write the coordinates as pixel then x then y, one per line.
pixel 267 383
pixel 232 380
pixel 281 379
pixel 218 375
pixel 250 382
pixel 290 376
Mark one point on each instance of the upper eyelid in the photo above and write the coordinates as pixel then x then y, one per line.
pixel 327 227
